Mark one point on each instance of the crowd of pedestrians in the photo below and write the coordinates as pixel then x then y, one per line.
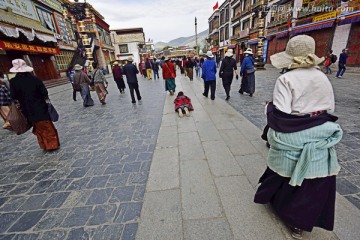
pixel 300 179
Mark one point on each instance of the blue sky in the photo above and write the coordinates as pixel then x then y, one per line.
pixel 162 20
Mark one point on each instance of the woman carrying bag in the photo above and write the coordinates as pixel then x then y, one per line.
pixel 248 73
pixel 31 94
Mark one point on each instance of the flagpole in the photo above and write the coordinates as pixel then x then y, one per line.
pixel 197 50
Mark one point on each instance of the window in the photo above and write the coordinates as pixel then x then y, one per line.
pixel 236 30
pixel 46 19
pixel 237 10
pixel 245 25
pixel 123 48
pixel 246 5
pixel 227 32
pixel 221 34
pixel 227 14
pixel 63 59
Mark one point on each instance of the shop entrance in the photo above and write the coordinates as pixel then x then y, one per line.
pixel 43 66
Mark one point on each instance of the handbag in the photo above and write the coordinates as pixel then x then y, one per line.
pixel 250 70
pixel 172 74
pixel 17 120
pixel 54 116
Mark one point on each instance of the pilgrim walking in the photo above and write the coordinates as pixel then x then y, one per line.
pixel 118 77
pixel 169 74
pixel 226 72
pixel 100 83
pixel 248 73
pixel 300 179
pixel 81 83
pixel 209 75
pixel 30 92
pixel 130 72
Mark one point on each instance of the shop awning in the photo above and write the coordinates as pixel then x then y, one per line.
pixel 313 26
pixel 350 18
pixel 11 25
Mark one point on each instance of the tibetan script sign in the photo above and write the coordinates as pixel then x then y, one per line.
pixel 27 47
pixel 22 7
pixel 324 16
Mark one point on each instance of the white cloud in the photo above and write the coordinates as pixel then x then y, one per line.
pixel 162 20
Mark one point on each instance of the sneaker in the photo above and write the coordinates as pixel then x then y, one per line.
pixel 296 232
pixel 204 95
pixel 181 114
pixel 227 98
pixel 140 102
pixel 241 91
pixel 134 103
pixel 250 95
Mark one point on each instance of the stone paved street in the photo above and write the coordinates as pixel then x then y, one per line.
pixel 93 186
pixel 347 109
pixel 204 169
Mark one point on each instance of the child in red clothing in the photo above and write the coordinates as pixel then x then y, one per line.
pixel 183 105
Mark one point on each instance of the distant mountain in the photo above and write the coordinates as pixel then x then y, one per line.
pixel 184 41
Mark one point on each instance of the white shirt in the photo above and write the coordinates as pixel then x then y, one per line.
pixel 302 91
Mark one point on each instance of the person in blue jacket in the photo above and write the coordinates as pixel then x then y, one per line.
pixel 209 75
pixel 248 73
pixel 342 63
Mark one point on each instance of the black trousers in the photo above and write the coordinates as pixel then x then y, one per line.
pixel 134 87
pixel 212 86
pixel 227 85
pixel 74 95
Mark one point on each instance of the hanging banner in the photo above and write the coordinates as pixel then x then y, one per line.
pixel 28 48
pixel 21 7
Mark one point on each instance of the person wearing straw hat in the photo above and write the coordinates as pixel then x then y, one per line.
pixel 118 77
pixel 300 179
pixel 248 73
pixel 30 92
pixel 130 72
pixel 226 72
pixel 209 75
pixel 81 82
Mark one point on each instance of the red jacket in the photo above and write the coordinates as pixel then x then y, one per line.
pixel 183 101
pixel 167 69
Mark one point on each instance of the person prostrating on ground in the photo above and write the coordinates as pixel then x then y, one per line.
pixel 169 74
pixel 209 75
pixel 130 72
pixel 183 105
pixel 226 72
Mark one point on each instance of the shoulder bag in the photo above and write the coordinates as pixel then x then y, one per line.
pixel 19 123
pixel 172 74
pixel 54 116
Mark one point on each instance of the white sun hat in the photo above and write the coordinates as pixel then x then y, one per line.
pixel 229 53
pixel 20 65
pixel 299 53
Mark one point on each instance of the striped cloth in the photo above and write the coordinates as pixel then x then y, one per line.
pixel 305 154
pixel 5 98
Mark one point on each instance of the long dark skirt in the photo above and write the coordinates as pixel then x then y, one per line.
pixel 85 94
pixel 120 83
pixel 248 83
pixel 170 84
pixel 310 205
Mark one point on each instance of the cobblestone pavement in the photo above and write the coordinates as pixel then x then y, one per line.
pixel 347 109
pixel 93 186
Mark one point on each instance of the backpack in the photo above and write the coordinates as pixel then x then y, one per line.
pixel 76 82
pixel 333 58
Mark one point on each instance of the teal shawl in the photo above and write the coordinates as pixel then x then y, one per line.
pixel 305 154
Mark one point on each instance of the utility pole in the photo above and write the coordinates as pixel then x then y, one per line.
pixel 197 50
